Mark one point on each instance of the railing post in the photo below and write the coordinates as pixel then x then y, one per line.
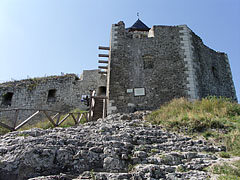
pixel 74 119
pixel 104 108
pixel 58 119
pixel 49 118
pixel 80 117
pixel 16 118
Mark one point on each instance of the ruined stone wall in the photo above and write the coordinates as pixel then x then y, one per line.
pixel 90 80
pixel 153 63
pixel 60 93
pixel 213 72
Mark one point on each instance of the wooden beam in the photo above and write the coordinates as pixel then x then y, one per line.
pixel 103 48
pixel 102 61
pixel 103 67
pixel 79 118
pixel 49 118
pixel 58 118
pixel 104 108
pixel 75 120
pixel 16 118
pixel 27 120
pixel 102 72
pixel 103 55
pixel 6 126
pixel 63 119
pixel 55 115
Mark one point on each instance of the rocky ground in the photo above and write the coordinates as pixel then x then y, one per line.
pixel 121 146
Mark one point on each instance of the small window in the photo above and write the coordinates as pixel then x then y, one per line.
pixel 214 71
pixel 7 99
pixel 148 62
pixel 51 95
pixel 101 91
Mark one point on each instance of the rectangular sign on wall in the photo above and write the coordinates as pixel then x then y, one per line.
pixel 139 92
pixel 129 90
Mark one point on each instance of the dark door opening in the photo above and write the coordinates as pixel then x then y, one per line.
pixel 101 91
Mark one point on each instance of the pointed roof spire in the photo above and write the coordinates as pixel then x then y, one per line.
pixel 138 26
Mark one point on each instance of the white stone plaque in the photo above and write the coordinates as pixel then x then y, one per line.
pixel 139 92
pixel 129 90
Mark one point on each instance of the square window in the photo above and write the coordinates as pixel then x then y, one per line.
pixel 51 95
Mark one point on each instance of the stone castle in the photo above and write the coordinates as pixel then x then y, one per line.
pixel 145 68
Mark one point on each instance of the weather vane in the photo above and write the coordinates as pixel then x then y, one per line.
pixel 138 15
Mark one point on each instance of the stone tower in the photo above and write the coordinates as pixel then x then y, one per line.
pixel 149 67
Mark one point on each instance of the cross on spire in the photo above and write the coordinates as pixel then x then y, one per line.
pixel 138 15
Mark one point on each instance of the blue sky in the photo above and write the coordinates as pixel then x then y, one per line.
pixel 47 37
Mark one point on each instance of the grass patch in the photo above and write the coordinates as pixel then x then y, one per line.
pixel 227 171
pixel 214 118
pixel 3 131
pixel 181 169
pixel 228 177
pixel 224 155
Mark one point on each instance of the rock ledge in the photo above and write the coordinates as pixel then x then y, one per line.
pixel 121 146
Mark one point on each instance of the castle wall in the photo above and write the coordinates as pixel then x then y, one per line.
pixel 60 93
pixel 145 70
pixel 212 70
pixel 138 63
pixel 149 68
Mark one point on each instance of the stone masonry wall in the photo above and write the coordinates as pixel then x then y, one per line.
pixel 213 72
pixel 66 90
pixel 153 63
pixel 190 71
pixel 149 68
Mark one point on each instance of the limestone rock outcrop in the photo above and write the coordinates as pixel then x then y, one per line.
pixel 121 146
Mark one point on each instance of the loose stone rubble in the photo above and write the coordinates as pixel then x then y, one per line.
pixel 121 146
